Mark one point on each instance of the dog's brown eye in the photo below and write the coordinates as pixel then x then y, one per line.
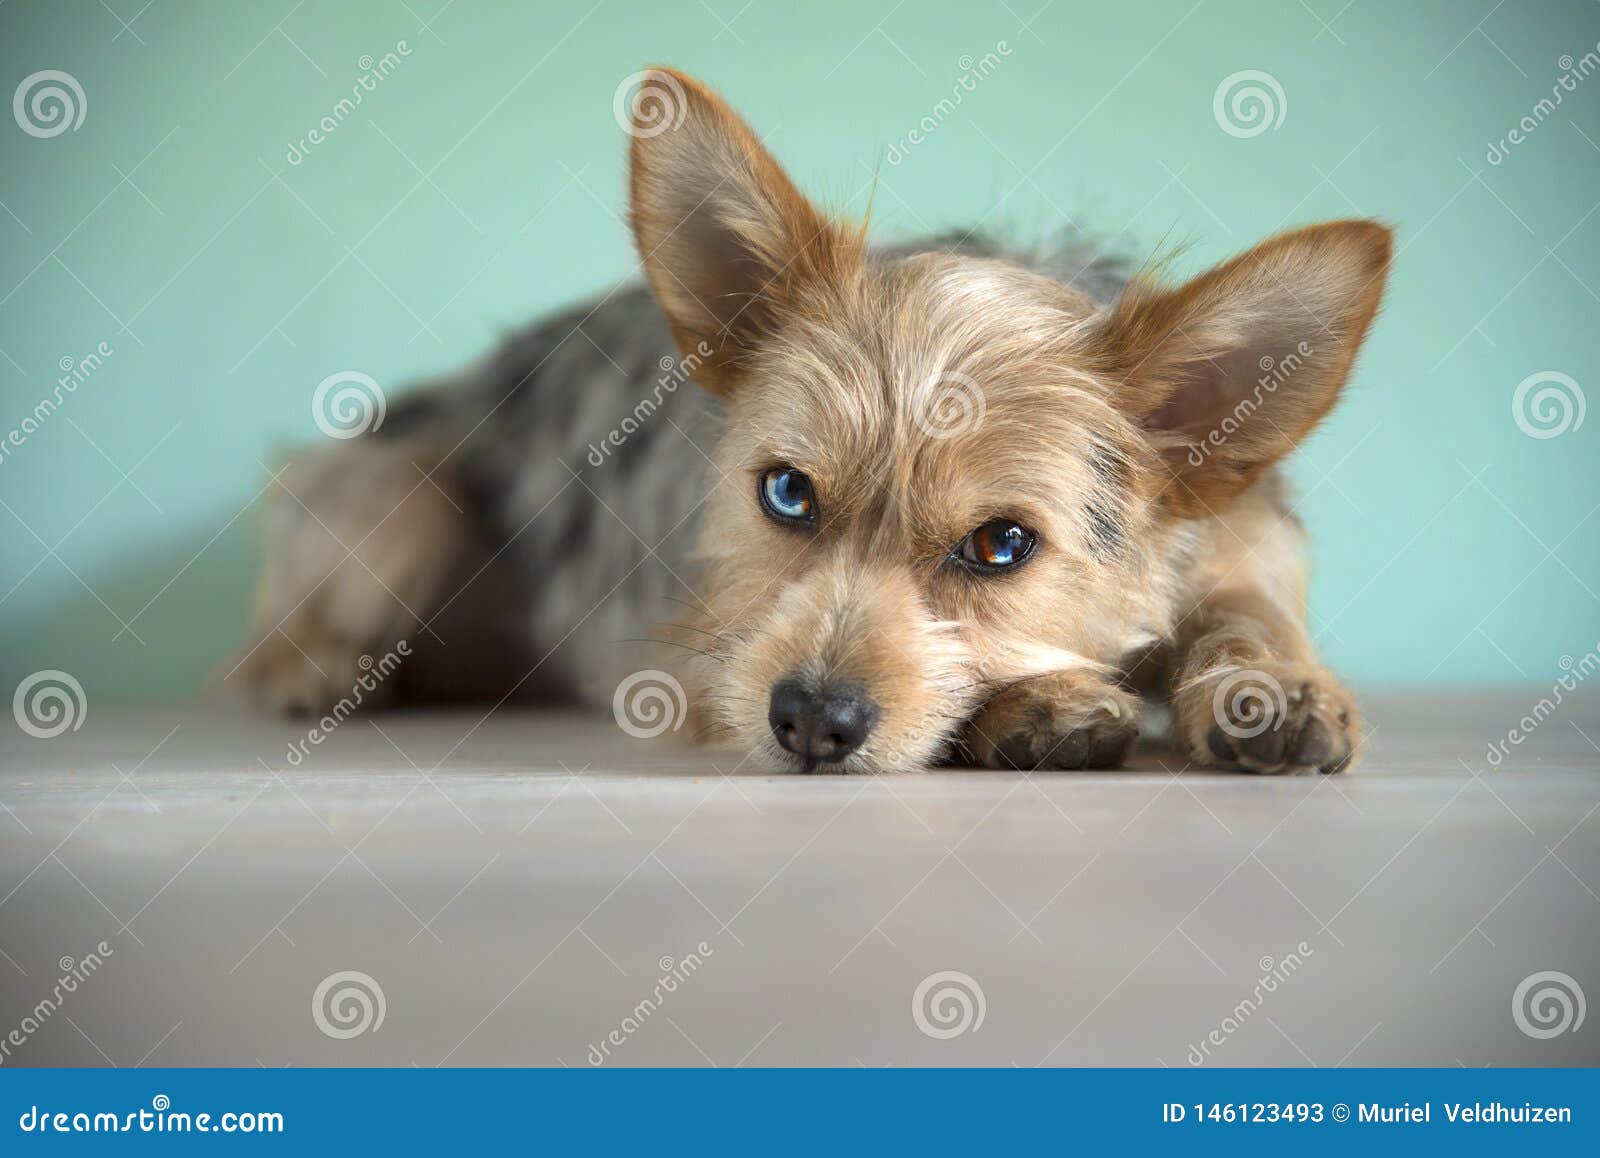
pixel 996 545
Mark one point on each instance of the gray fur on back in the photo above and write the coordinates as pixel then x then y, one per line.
pixel 583 457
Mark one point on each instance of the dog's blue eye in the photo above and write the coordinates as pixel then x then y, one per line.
pixel 996 545
pixel 787 495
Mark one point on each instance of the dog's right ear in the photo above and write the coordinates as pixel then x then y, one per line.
pixel 727 242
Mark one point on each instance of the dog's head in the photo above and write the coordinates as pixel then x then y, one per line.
pixel 940 473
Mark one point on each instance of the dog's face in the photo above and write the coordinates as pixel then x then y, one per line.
pixel 924 497
pixel 942 474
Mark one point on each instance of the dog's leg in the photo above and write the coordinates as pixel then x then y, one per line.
pixel 359 539
pixel 1071 719
pixel 1248 690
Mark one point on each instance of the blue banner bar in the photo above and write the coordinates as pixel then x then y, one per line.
pixel 805 1111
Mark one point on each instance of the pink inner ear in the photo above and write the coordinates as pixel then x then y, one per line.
pixel 1240 350
pixel 1188 408
pixel 1208 390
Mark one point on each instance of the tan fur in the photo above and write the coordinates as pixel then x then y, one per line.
pixel 359 537
pixel 922 396
pixel 1174 349
pixel 1070 719
pixel 1250 618
pixel 721 263
pixel 826 358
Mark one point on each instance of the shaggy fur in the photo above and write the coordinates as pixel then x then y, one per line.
pixel 549 505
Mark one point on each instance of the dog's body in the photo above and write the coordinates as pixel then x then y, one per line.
pixel 1112 447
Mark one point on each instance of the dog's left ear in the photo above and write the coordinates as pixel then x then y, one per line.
pixel 727 241
pixel 1228 372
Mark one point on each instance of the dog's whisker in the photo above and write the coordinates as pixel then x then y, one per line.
pixel 684 646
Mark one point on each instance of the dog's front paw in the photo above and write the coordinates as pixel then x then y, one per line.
pixel 1065 720
pixel 298 670
pixel 1275 717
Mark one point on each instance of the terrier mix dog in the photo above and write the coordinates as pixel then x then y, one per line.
pixel 948 502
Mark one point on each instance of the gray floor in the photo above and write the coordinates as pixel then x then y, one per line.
pixel 518 890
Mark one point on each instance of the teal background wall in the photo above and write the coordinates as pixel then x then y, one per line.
pixel 481 181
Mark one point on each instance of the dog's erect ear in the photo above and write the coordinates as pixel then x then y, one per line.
pixel 1228 372
pixel 727 241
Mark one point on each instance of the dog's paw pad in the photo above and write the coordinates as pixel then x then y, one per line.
pixel 1270 720
pixel 1087 747
pixel 1316 746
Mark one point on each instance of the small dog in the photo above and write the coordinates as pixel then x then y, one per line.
pixel 949 503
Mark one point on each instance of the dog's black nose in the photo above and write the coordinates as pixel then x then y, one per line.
pixel 820 723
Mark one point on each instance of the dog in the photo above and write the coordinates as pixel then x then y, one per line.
pixel 945 502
